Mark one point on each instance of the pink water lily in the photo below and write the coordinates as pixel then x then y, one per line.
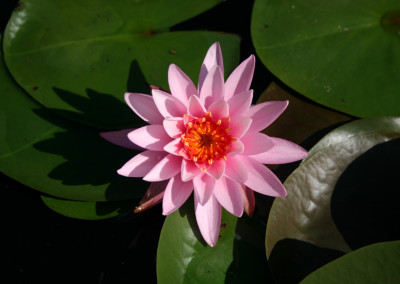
pixel 207 140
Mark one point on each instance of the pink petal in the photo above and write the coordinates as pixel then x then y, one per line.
pixel 151 137
pixel 237 147
pixel 213 57
pixel 167 105
pixel 141 164
pixel 265 113
pixel 249 202
pixel 239 125
pixel 208 218
pixel 168 167
pixel 229 195
pixel 261 179
pixel 217 169
pixel 204 187
pixel 240 79
pixel 255 143
pixel 196 107
pixel 213 87
pixel 174 147
pixel 120 138
pixel 219 109
pixel 235 169
pixel 189 170
pixel 174 126
pixel 180 84
pixel 152 197
pixel 144 106
pixel 240 104
pixel 176 193
pixel 281 152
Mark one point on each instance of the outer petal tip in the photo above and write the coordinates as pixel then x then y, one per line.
pixel 180 84
pixel 120 138
pixel 144 106
pixel 213 88
pixel 208 218
pixel 212 58
pixel 240 79
pixel 282 192
pixel 265 114
pixel 248 201
pixel 168 105
pixel 152 197
pixel 280 151
pixel 151 137
pixel 126 97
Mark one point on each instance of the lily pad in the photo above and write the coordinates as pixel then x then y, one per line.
pixel 183 256
pixel 81 61
pixel 305 214
pixel 88 210
pixel 377 263
pixel 341 54
pixel 55 156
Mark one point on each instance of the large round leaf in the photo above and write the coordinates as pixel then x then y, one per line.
pixel 377 263
pixel 342 54
pixel 55 156
pixel 80 58
pixel 346 184
pixel 183 256
pixel 88 210
pixel 305 214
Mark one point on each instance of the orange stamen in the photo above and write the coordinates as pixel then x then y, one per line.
pixel 206 140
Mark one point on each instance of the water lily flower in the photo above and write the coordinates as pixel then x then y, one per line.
pixel 207 140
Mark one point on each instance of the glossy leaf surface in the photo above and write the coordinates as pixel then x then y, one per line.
pixel 183 256
pixel 88 210
pixel 56 156
pixel 82 67
pixel 341 54
pixel 305 214
pixel 377 263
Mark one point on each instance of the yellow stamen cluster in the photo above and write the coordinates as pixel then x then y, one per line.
pixel 206 140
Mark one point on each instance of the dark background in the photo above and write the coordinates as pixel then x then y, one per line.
pixel 41 246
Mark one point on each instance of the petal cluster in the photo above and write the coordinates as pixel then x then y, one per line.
pixel 207 140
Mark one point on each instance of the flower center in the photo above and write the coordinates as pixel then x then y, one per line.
pixel 206 140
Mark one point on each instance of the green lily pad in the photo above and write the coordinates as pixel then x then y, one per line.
pixel 305 214
pixel 88 210
pixel 81 61
pixel 55 156
pixel 183 256
pixel 377 263
pixel 342 54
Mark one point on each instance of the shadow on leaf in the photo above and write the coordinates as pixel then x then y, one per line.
pixel 365 201
pixel 102 110
pixel 89 160
pixel 291 260
pixel 249 259
pixel 188 210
